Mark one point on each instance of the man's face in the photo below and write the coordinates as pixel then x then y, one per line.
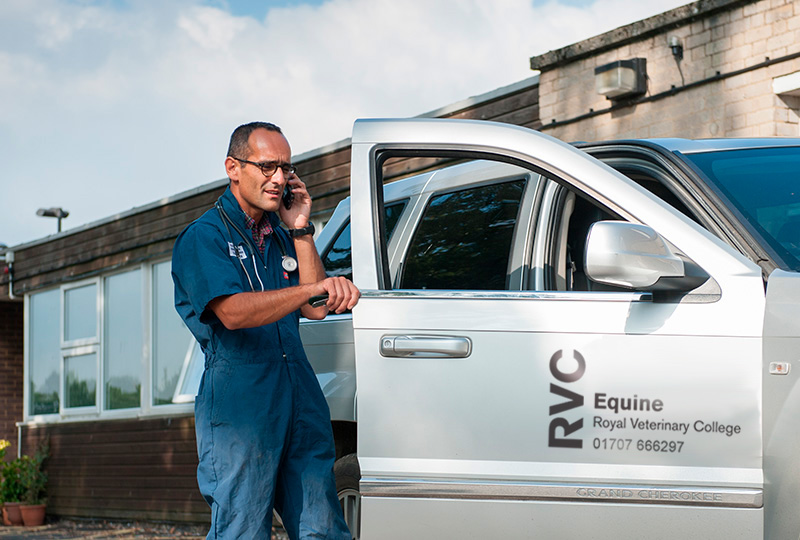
pixel 256 193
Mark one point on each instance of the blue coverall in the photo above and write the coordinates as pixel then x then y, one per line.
pixel 263 426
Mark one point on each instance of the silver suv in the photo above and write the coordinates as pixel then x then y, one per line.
pixel 564 343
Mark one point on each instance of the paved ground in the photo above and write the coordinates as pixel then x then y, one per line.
pixel 100 529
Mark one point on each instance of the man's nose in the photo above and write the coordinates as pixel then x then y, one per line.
pixel 278 176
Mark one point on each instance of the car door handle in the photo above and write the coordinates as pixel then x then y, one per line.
pixel 426 346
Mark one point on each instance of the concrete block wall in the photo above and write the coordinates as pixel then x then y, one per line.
pixel 11 376
pixel 730 59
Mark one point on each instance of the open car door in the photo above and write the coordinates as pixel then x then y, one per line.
pixel 513 410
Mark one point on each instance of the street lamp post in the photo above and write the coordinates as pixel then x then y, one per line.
pixel 56 212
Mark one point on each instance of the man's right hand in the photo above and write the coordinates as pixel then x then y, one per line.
pixel 342 295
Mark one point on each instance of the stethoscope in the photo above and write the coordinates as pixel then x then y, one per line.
pixel 288 262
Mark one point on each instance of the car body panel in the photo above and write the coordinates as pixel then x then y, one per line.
pixel 782 404
pixel 396 519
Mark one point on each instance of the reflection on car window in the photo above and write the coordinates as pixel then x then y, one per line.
pixel 464 239
pixel 764 185
pixel 337 260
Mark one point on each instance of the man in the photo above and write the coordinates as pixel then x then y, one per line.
pixel 263 427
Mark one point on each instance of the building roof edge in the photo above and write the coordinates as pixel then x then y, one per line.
pixel 635 31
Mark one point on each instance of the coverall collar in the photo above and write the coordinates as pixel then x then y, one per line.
pixel 235 212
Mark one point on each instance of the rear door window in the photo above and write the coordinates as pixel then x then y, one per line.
pixel 464 239
pixel 337 259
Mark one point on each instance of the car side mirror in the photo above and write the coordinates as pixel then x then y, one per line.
pixel 636 257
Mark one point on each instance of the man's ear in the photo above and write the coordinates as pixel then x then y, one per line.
pixel 232 168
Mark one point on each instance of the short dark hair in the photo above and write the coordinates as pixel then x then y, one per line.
pixel 238 147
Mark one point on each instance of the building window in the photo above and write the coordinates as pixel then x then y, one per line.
pixel 111 346
pixel 44 351
pixel 123 340
pixel 80 380
pixel 80 314
pixel 79 371
pixel 171 338
pixel 191 374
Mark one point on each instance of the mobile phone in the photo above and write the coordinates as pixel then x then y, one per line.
pixel 318 301
pixel 288 196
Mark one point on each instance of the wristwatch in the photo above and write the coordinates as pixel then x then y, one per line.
pixel 308 229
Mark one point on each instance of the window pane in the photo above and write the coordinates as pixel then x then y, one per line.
pixel 123 340
pixel 764 185
pixel 464 239
pixel 171 338
pixel 190 383
pixel 81 380
pixel 80 313
pixel 337 260
pixel 44 352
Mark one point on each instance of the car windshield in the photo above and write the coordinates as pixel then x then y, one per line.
pixel 763 184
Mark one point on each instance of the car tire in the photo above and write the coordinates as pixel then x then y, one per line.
pixel 348 474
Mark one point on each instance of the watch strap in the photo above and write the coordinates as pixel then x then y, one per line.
pixel 308 229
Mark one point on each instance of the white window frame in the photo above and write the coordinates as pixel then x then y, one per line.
pixel 178 396
pixel 79 411
pixel 98 310
pixel 179 407
pixel 26 368
pixel 96 345
pixel 131 411
pixel 78 347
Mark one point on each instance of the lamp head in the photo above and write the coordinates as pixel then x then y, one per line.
pixel 56 212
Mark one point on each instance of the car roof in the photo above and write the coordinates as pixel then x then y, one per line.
pixel 693 146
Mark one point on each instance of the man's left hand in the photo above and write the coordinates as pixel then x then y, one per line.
pixel 297 216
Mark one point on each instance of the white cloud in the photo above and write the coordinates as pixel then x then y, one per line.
pixel 105 107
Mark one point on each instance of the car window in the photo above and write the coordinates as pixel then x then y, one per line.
pixel 337 260
pixel 584 213
pixel 464 239
pixel 763 184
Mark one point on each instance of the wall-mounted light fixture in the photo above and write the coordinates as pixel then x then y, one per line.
pixel 621 79
pixel 677 48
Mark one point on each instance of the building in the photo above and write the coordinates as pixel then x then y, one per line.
pixel 98 369
pixel 715 68
pixel 98 364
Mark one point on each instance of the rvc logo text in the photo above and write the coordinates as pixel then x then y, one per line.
pixel 561 429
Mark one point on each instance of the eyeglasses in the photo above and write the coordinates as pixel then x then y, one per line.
pixel 268 168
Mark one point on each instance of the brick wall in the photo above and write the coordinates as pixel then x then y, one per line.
pixel 732 52
pixel 10 372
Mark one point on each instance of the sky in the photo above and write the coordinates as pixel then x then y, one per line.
pixel 106 105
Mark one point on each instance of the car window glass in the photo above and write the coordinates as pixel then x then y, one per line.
pixel 464 239
pixel 584 213
pixel 763 184
pixel 337 260
pixel 563 266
